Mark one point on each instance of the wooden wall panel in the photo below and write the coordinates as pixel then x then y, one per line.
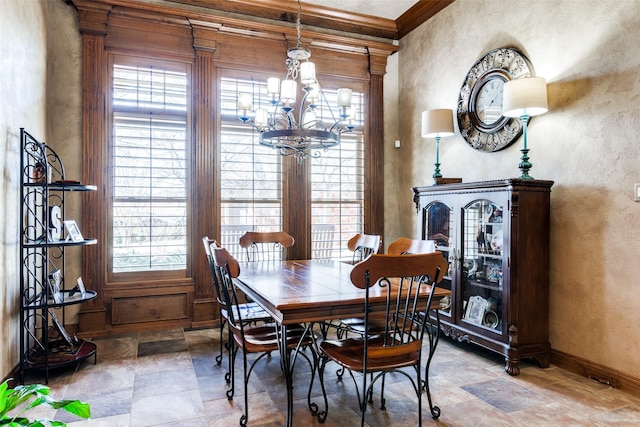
pixel 149 308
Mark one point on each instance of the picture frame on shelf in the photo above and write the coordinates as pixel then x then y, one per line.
pixel 475 310
pixel 61 330
pixel 79 288
pixel 55 281
pixel 73 232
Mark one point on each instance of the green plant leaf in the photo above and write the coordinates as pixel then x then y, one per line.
pixel 11 398
pixel 75 407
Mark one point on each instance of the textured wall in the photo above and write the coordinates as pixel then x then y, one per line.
pixel 22 104
pixel 587 143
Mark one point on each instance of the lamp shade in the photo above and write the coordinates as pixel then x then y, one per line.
pixel 437 123
pixel 524 97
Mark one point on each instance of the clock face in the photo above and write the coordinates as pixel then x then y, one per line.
pixel 489 102
pixel 479 112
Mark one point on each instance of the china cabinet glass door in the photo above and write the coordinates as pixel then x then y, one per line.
pixel 482 264
pixel 439 226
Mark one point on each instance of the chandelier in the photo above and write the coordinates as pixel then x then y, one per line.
pixel 304 135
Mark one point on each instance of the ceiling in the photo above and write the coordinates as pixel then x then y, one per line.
pixel 387 19
pixel 389 9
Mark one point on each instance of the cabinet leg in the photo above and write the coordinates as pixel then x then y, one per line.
pixel 512 366
pixel 543 360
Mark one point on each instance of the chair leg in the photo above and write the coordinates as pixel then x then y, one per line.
pixel 228 377
pixel 433 333
pixel 321 415
pixel 245 417
pixel 219 356
pixel 232 362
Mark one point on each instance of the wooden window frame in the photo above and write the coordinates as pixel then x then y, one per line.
pixel 208 43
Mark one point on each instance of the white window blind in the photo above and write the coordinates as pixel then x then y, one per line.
pixel 250 174
pixel 149 169
pixel 337 189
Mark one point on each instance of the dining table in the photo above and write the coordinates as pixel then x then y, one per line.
pixel 305 292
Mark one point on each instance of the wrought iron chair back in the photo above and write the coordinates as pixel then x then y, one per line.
pixel 266 246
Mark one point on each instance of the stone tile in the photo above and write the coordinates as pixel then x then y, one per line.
pixel 115 421
pixel 148 348
pixel 505 395
pixel 166 408
pixel 625 416
pixel 117 348
pixel 162 335
pixel 585 396
pixel 163 362
pixel 154 383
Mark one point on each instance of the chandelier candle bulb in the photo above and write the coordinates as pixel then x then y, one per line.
pixel 313 93
pixel 245 103
pixel 309 119
pixel 344 97
pixel 288 91
pixel 262 117
pixel 307 73
pixel 273 86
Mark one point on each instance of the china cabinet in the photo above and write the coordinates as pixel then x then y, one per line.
pixel 46 236
pixel 495 235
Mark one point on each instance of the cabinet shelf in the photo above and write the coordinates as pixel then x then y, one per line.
pixel 485 285
pixel 59 354
pixel 62 186
pixel 66 299
pixel 43 243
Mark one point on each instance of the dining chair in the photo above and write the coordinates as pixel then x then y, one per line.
pixel 266 246
pixel 405 245
pixel 255 339
pixel 250 312
pixel 362 245
pixel 401 280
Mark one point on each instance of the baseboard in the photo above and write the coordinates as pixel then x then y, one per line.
pixel 597 372
pixel 14 375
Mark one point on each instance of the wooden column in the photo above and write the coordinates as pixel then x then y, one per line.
pixel 374 148
pixel 205 198
pixel 93 20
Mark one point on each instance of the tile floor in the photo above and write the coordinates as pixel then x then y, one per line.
pixel 170 378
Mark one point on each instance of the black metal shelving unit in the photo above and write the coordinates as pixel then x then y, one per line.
pixel 44 342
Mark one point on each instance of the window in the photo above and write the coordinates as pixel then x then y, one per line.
pixel 149 159
pixel 337 189
pixel 250 174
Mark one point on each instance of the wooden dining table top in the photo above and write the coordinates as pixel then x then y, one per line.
pixel 309 290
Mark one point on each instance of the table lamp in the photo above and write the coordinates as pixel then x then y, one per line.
pixel 436 124
pixel 524 98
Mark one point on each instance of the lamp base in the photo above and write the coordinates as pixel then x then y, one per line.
pixel 525 165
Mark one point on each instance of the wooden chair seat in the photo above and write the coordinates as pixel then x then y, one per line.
pixel 350 354
pixel 259 339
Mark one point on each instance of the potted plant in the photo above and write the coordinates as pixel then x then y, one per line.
pixel 31 396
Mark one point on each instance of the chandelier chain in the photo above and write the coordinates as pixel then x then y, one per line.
pixel 298 24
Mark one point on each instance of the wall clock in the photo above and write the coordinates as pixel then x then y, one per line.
pixel 479 112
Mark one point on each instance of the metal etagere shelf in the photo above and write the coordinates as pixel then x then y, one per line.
pixel 44 290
